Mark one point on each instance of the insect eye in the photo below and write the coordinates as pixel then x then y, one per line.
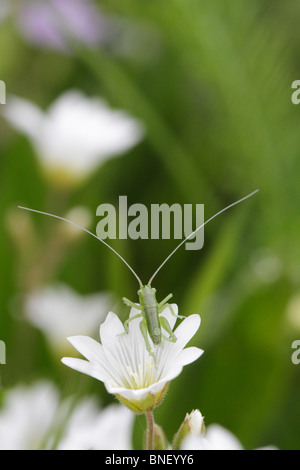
pixel 139 292
pixel 153 289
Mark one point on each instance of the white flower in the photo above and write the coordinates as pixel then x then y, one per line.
pixel 75 135
pixel 27 415
pixel 123 364
pixel 89 429
pixel 34 417
pixel 215 438
pixel 60 311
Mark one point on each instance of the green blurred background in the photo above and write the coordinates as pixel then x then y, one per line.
pixel 211 81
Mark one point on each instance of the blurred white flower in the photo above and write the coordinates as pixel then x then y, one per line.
pixel 215 438
pixel 89 429
pixel 27 415
pixel 75 136
pixel 266 266
pixel 34 417
pixel 123 364
pixel 80 215
pixel 60 311
pixel 293 312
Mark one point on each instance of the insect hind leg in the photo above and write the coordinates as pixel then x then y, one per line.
pixel 144 330
pixel 166 326
pixel 165 305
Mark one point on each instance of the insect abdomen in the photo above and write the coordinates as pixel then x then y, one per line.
pixel 150 310
pixel 152 319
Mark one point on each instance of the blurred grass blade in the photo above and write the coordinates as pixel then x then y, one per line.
pixel 126 92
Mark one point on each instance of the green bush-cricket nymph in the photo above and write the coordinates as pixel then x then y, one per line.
pixel 152 322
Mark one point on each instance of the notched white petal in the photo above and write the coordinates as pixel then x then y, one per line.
pixel 88 347
pixel 111 328
pixel 187 329
pixel 85 367
pixel 189 355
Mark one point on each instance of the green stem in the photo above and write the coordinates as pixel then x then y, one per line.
pixel 150 430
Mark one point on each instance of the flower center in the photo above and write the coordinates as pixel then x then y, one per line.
pixel 140 378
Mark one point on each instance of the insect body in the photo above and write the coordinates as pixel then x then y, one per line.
pixel 152 322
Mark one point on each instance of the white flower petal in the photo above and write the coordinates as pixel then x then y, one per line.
pixel 215 438
pixel 24 116
pixel 222 439
pixel 59 311
pixel 186 330
pixel 26 416
pixel 111 328
pixel 192 442
pixel 92 429
pixel 88 347
pixel 86 367
pixel 189 355
pixel 86 132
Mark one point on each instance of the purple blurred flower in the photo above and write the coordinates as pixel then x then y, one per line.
pixel 4 10
pixel 55 23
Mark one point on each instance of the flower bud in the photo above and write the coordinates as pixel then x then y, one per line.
pixel 193 425
pixel 160 439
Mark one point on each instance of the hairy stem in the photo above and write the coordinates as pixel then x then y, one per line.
pixel 150 431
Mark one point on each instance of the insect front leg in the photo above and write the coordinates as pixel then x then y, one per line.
pixel 163 302
pixel 131 304
pixel 137 307
pixel 126 322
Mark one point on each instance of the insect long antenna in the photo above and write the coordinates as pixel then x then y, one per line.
pixel 199 228
pixel 87 231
